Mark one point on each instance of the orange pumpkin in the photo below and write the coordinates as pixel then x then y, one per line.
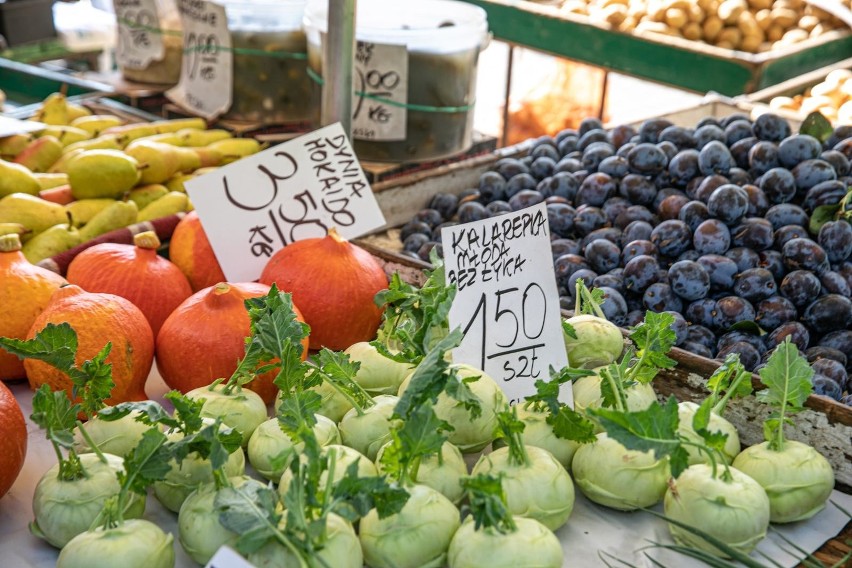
pixel 98 319
pixel 13 439
pixel 204 338
pixel 135 272
pixel 25 290
pixel 333 282
pixel 190 250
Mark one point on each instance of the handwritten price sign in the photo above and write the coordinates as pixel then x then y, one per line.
pixel 206 74
pixel 296 190
pixel 139 39
pixel 507 302
pixel 381 75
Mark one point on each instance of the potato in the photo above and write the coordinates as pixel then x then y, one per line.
pixel 695 13
pixel 774 33
pixel 811 104
pixel 692 31
pixel 784 17
pixel 751 43
pixel 808 23
pixel 760 4
pixel 676 18
pixel 730 10
pixel 764 19
pixel 779 103
pixel 712 26
pixel 731 35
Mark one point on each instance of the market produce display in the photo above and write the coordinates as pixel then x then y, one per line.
pixel 832 97
pixel 745 25
pixel 738 227
pixel 86 175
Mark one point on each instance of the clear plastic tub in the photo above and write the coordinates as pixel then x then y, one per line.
pixel 443 39
pixel 165 71
pixel 271 84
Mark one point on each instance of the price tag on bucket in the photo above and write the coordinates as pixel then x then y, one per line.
pixel 296 190
pixel 381 92
pixel 140 39
pixel 507 302
pixel 206 73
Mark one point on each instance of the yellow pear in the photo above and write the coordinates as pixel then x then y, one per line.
pixel 66 134
pixel 192 137
pixel 40 154
pixel 130 132
pixel 11 146
pixel 170 138
pixel 104 142
pixel 32 212
pixel 158 161
pixel 12 229
pixel 50 242
pixel 76 111
pixel 15 178
pixel 54 110
pixel 102 173
pixel 47 181
pixel 96 123
pixel 171 203
pixel 61 165
pixel 179 124
pixel 232 149
pixel 118 215
pixel 84 210
pixel 146 194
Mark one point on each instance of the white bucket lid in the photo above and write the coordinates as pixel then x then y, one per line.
pixel 435 26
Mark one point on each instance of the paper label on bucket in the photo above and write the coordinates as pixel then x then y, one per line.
pixel 506 302
pixel 140 39
pixel 297 190
pixel 380 79
pixel 206 74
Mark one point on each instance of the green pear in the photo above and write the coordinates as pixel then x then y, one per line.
pixel 40 154
pixel 171 203
pixel 116 216
pixel 102 173
pixel 52 241
pixel 176 124
pixel 84 210
pixel 66 135
pixel 15 178
pixel 32 212
pixel 76 111
pixel 96 123
pixel 158 161
pixel 104 142
pixel 54 110
pixel 146 194
pixel 61 165
pixel 175 183
pixel 169 138
pixel 232 149
pixel 192 137
pixel 12 229
pixel 48 181
pixel 130 132
pixel 11 146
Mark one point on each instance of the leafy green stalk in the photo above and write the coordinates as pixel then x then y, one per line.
pixel 587 301
pixel 487 503
pixel 729 380
pixel 430 378
pixel 787 377
pixel 653 338
pixel 420 435
pixel 511 430
pixel 54 413
pixel 339 372
pixel 565 422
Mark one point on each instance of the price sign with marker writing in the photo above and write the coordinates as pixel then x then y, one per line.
pixel 293 191
pixel 507 302
pixel 140 39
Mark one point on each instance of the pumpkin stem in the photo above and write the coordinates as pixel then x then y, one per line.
pixel 221 288
pixel 10 243
pixel 332 232
pixel 147 240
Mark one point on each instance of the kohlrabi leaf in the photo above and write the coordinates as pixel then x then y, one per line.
pixel 787 376
pixel 654 338
pixel 430 377
pixel 187 415
pixel 54 413
pixel 816 125
pixel 614 379
pixel 213 442
pixel 487 503
pixel 458 390
pixel 93 381
pixel 249 511
pixel 588 301
pixel 571 425
pixel 731 379
pixel 274 323
pixel 419 436
pixel 569 330
pixel 150 413
pixel 339 372
pixel 56 345
pixel 511 430
pixel 146 463
pixel 354 496
pixel 292 371
pixel 298 411
pixel 547 392
pixel 714 440
pixel 653 429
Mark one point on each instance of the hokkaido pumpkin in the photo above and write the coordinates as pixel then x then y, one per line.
pixel 190 250
pixel 98 319
pixel 135 272
pixel 333 282
pixel 25 289
pixel 13 439
pixel 204 338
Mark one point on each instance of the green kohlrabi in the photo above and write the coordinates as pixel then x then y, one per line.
pixel 492 537
pixel 797 478
pixel 536 484
pixel 270 449
pixel 377 374
pixel 442 471
pixel 590 339
pixel 343 457
pixel 369 431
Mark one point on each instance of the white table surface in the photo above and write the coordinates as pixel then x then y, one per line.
pixel 590 530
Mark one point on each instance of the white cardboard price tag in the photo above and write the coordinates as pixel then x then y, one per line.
pixel 206 73
pixel 139 39
pixel 296 190
pixel 507 302
pixel 227 557
pixel 381 71
pixel 10 126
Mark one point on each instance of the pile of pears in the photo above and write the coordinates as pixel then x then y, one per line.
pixel 88 174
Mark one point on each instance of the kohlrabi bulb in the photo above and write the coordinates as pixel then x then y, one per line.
pixel 736 512
pixel 270 449
pixel 65 509
pixel 344 456
pixel 340 550
pixel 441 474
pixel 541 490
pixel 587 394
pixel 377 374
pixel 334 405
pixel 242 410
pixel 117 437
pixel 686 412
pixel 136 543
pixel 532 544
pixel 469 435
pixel 193 471
pixel 798 479
pixel 537 432
pixel 369 431
pixel 599 342
pixel 416 537
pixel 199 531
pixel 611 475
